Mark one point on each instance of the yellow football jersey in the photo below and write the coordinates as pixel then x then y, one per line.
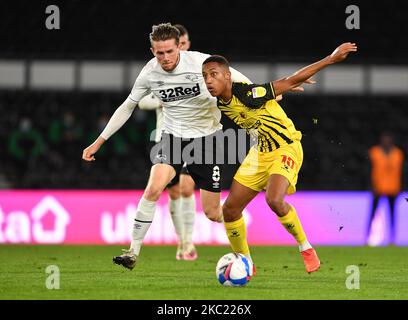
pixel 253 108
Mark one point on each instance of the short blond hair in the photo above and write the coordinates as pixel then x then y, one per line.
pixel 163 32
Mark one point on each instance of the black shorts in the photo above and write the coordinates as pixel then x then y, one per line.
pixel 176 178
pixel 204 158
pixel 184 169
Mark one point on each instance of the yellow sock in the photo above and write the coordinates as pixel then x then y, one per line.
pixel 292 224
pixel 236 232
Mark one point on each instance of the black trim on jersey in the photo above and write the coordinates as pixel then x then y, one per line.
pixel 143 221
pixel 263 149
pixel 273 89
pixel 220 103
pixel 274 122
pixel 277 145
pixel 280 134
pixel 240 91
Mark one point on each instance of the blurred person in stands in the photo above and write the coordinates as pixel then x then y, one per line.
pixel 65 133
pixel 386 171
pixel 26 145
pixel 119 146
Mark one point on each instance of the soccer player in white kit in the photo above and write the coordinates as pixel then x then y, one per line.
pixel 190 115
pixel 181 188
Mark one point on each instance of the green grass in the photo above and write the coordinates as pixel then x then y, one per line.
pixel 86 272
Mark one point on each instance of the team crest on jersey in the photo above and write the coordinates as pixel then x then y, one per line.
pixel 192 77
pixel 258 92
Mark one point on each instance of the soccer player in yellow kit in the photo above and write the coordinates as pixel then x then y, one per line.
pixel 275 162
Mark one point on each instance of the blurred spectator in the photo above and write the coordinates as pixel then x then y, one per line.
pixel 117 148
pixel 26 146
pixel 25 142
pixel 386 172
pixel 65 133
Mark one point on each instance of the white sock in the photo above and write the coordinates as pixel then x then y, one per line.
pixel 188 210
pixel 304 246
pixel 143 220
pixel 177 217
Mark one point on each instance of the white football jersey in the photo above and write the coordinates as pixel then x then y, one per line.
pixel 189 111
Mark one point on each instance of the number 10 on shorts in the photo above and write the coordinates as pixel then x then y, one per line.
pixel 288 161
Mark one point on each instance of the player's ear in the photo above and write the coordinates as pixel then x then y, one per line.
pixel 228 75
pixel 151 49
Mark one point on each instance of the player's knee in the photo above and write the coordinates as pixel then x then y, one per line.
pixel 213 213
pixel 230 212
pixel 174 192
pixel 187 192
pixel 187 186
pixel 277 204
pixel 152 193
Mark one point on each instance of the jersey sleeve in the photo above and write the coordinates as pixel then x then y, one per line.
pixel 140 88
pixel 237 76
pixel 253 95
pixel 199 56
pixel 119 118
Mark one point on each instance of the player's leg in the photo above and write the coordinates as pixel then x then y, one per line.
pixel 210 202
pixel 248 181
pixel 283 168
pixel 208 180
pixel 374 205
pixel 234 222
pixel 391 201
pixel 188 212
pixel 207 174
pixel 276 190
pixel 160 175
pixel 173 189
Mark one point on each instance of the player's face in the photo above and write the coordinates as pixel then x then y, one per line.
pixel 166 53
pixel 216 78
pixel 184 43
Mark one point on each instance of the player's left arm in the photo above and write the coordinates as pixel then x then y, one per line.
pixel 237 76
pixel 303 75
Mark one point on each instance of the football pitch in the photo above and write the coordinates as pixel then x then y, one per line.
pixel 87 272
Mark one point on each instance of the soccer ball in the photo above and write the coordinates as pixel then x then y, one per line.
pixel 233 269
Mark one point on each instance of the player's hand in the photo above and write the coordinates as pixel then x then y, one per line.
pixel 342 52
pixel 301 89
pixel 88 153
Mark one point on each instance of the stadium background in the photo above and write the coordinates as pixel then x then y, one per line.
pixel 59 87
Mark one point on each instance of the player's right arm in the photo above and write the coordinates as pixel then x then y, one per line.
pixel 303 75
pixel 118 119
pixel 122 114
